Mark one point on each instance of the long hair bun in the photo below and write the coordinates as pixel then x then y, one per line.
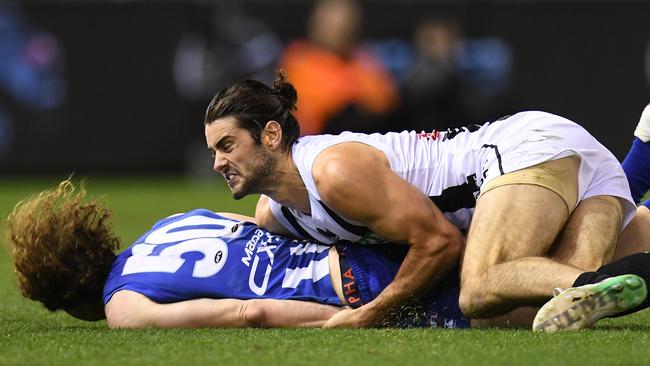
pixel 285 90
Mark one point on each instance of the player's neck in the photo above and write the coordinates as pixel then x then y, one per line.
pixel 288 187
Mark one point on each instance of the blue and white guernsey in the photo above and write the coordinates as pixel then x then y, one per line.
pixel 202 254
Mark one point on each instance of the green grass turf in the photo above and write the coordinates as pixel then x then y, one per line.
pixel 29 334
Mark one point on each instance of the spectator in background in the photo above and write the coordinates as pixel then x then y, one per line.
pixel 341 86
pixel 432 91
pixel 31 78
pixel 222 45
pixel 454 80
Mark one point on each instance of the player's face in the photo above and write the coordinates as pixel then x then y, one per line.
pixel 244 164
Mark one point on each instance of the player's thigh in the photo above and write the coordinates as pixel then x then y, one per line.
pixel 635 237
pixel 589 237
pixel 510 222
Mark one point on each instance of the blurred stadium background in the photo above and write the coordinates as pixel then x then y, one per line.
pixel 120 87
pixel 117 89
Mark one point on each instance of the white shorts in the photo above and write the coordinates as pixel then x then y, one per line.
pixel 529 138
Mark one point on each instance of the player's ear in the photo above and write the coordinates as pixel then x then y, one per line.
pixel 272 135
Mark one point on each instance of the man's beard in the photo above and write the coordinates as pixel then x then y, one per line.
pixel 258 176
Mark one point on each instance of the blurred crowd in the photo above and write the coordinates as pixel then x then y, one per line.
pixel 346 82
pixel 438 79
pixel 31 76
pixel 436 76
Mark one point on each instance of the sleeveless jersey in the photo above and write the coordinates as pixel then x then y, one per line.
pixel 200 254
pixel 451 166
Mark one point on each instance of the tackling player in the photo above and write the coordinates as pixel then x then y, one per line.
pixel 543 196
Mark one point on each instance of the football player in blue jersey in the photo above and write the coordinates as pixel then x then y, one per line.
pixel 199 269
pixel 637 169
pixel 637 161
pixel 203 269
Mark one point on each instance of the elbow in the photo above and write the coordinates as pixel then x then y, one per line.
pixel 253 313
pixel 455 244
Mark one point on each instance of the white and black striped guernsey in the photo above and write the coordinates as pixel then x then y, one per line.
pixel 451 166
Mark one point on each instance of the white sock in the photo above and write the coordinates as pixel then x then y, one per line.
pixel 643 128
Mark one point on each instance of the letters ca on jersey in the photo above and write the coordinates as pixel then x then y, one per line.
pixel 201 254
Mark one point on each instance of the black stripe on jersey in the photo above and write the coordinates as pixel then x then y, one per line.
pixel 496 151
pixel 454 198
pixel 453 132
pixel 292 220
pixel 328 234
pixel 354 229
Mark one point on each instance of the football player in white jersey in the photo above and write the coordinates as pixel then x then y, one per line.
pixel 546 200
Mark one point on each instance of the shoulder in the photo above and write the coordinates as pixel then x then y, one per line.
pixel 128 309
pixel 346 158
pixel 347 165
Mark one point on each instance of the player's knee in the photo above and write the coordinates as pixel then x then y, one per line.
pixel 474 301
pixel 252 312
pixel 589 263
pixel 644 213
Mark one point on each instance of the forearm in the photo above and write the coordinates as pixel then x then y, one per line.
pixel 288 313
pixel 268 313
pixel 200 313
pixel 128 309
pixel 422 268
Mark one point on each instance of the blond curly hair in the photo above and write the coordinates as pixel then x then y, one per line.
pixel 63 247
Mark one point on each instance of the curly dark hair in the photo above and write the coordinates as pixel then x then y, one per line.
pixel 253 103
pixel 63 248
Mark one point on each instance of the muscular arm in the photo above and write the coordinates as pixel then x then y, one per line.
pixel 128 309
pixel 364 189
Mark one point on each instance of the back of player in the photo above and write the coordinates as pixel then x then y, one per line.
pixel 202 254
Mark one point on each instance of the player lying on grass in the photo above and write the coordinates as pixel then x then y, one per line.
pixel 197 269
pixel 202 269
